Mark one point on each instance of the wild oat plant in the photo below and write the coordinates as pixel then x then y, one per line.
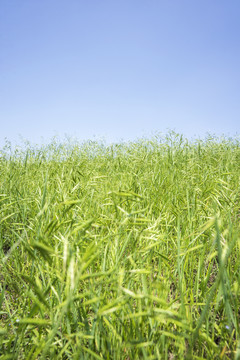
pixel 124 251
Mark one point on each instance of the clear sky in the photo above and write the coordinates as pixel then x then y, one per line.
pixel 118 69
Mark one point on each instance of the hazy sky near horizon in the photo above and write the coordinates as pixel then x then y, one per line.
pixel 118 69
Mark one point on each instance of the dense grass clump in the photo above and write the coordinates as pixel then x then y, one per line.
pixel 129 251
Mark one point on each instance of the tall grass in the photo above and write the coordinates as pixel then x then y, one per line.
pixel 128 251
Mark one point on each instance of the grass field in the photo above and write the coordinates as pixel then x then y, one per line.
pixel 129 251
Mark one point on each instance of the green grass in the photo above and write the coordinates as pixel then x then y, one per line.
pixel 129 251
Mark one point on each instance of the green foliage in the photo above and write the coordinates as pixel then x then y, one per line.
pixel 128 251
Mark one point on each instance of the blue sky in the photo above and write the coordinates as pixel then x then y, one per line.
pixel 118 69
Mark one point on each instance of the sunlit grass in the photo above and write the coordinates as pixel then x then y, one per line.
pixel 128 251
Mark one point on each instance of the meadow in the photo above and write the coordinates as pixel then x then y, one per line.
pixel 123 251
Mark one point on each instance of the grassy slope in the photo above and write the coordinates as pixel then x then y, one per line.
pixel 125 252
